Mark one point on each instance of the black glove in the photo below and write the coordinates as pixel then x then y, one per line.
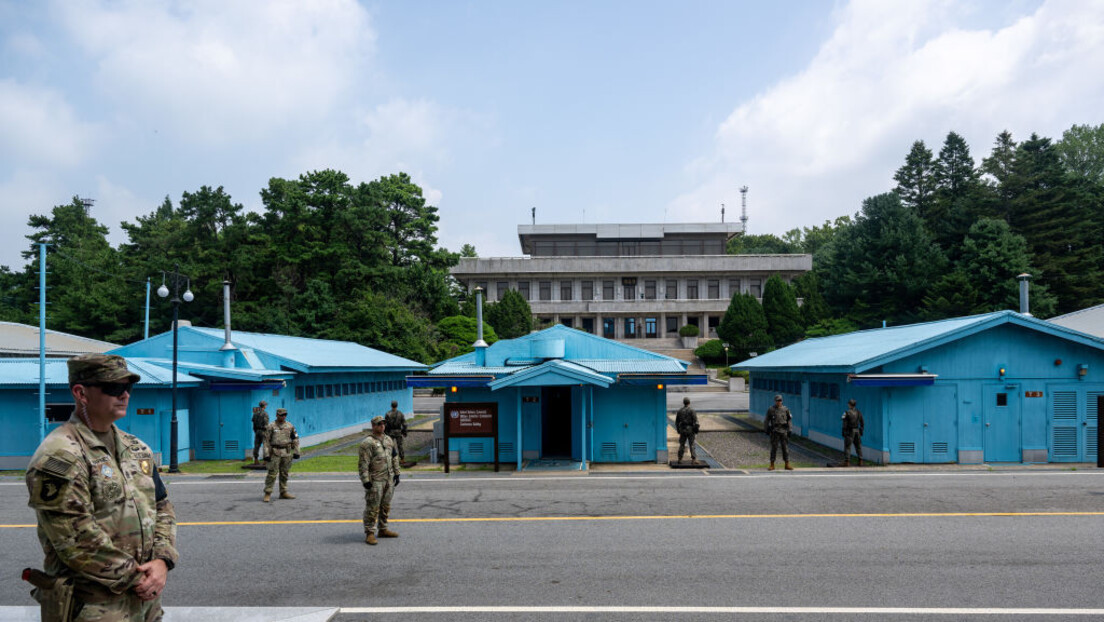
pixel 295 456
pixel 367 485
pixel 266 458
pixel 396 480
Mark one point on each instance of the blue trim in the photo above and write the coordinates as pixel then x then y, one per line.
pixel 891 382
pixel 680 379
pixel 245 386
pixel 434 382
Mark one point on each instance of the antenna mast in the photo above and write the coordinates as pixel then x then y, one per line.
pixel 743 211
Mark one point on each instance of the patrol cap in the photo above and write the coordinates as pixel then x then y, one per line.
pixel 96 368
pixel 281 411
pixel 378 419
pixel 778 398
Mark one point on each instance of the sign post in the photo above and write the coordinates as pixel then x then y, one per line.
pixel 471 420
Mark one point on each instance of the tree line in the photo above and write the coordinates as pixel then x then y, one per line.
pixel 949 240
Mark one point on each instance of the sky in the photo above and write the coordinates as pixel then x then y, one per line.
pixel 592 111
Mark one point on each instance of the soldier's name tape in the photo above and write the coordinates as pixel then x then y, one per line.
pixel 508 519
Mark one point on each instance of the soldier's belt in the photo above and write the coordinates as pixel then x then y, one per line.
pixel 280 446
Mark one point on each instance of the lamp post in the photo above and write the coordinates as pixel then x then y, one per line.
pixel 176 279
pixel 726 355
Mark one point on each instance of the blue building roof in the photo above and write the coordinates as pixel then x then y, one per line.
pixel 867 349
pixel 23 373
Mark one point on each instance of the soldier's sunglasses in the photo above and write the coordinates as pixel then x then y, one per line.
pixel 114 389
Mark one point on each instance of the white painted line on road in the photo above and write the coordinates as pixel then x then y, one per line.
pixel 946 611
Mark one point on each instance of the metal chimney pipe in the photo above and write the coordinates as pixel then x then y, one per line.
pixel 229 345
pixel 1024 279
pixel 480 345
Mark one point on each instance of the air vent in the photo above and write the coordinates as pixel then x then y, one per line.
pixel 939 448
pixel 207 445
pixel 231 445
pixel 906 448
pixel 1065 442
pixel 505 448
pixel 1065 405
pixel 609 450
pixel 476 449
pixel 639 449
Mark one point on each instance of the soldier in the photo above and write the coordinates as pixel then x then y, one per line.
pixel 379 472
pixel 395 423
pixel 852 432
pixel 105 521
pixel 260 422
pixel 281 446
pixel 686 423
pixel 778 423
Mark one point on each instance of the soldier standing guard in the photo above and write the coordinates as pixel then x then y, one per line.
pixel 686 424
pixel 395 427
pixel 379 473
pixel 281 446
pixel 260 423
pixel 105 521
pixel 852 432
pixel 778 422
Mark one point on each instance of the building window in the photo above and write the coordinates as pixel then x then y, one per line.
pixel 628 285
pixel 672 325
pixel 692 290
pixel 733 287
pixel 609 328
pixel 714 289
pixel 546 290
pixel 1002 399
pixel 298 393
pixel 565 290
pixel 588 325
pixel 672 290
pixel 649 290
pixel 755 287
pixel 630 328
pixel 566 322
pixel 588 290
pixel 309 392
pixel 500 289
pixel 714 321
pixel 59 413
pixel 329 390
pixel 607 290
pixel 523 289
pixel 650 327
pixel 482 285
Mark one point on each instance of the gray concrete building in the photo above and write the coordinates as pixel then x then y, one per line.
pixel 628 281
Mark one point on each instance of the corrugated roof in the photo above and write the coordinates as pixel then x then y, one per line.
pixel 469 368
pixel 216 371
pixel 615 366
pixel 22 340
pixel 861 350
pixel 23 372
pixel 1090 320
pixel 315 352
pixel 555 368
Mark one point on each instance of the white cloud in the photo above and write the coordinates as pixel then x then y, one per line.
pixel 815 144
pixel 38 126
pixel 219 72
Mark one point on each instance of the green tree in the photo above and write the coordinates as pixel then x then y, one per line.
pixel 915 179
pixel 780 308
pixel 763 244
pixel 999 169
pixel 744 328
pixel 957 198
pixel 511 316
pixel 813 238
pixel 1081 152
pixel 880 267
pixel 410 226
pixel 468 250
pixel 813 308
pixel 458 333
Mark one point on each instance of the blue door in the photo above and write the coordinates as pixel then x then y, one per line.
pixel 922 423
pixel 1073 421
pixel 1001 412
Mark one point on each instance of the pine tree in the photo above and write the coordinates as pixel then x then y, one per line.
pixel 780 308
pixel 744 328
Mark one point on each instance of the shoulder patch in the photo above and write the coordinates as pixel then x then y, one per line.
pixel 47 490
pixel 56 466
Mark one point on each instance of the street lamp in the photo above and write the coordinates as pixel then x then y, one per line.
pixel 176 279
pixel 726 354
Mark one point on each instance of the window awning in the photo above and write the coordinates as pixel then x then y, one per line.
pixel 892 380
pixel 434 382
pixel 646 379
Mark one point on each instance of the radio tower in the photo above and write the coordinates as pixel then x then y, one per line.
pixel 743 210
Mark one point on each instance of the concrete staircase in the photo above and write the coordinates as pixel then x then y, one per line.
pixel 671 347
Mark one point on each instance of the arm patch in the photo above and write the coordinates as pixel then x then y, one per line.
pixel 160 493
pixel 56 466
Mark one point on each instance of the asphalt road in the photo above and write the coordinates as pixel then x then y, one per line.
pixel 780 546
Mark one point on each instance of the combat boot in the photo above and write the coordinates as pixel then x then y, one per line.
pixel 286 495
pixel 387 533
pixel 370 538
pixel 788 467
pixel 268 497
pixel 771 467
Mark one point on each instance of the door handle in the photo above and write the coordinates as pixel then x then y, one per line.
pixel 987 424
pixel 925 424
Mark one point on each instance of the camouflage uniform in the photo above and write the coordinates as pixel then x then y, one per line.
pixel 396 429
pixel 281 445
pixel 260 424
pixel 852 432
pixel 779 422
pixel 102 511
pixel 379 468
pixel 686 423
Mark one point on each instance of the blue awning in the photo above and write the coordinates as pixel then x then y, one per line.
pixel 433 382
pixel 891 380
pixel 646 379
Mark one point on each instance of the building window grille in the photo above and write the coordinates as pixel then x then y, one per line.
pixel 523 289
pixel 607 290
pixel 672 290
pixel 588 290
pixel 565 290
pixel 692 290
pixel 714 289
pixel 546 290
pixel 650 290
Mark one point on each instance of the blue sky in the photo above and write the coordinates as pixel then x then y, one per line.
pixel 601 111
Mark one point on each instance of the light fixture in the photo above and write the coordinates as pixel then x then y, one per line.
pixel 659 386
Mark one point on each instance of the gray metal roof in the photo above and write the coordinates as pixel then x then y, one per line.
pixel 862 350
pixel 316 353
pixel 1090 320
pixel 23 340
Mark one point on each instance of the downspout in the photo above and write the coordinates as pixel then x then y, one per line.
pixel 590 391
pixel 517 392
pixel 583 417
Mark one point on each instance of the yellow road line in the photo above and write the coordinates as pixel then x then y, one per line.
pixel 505 519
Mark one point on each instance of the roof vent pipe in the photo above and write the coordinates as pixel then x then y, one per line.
pixel 1024 279
pixel 479 345
pixel 229 345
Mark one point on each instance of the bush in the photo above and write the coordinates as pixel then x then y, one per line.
pixel 712 352
pixel 689 331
